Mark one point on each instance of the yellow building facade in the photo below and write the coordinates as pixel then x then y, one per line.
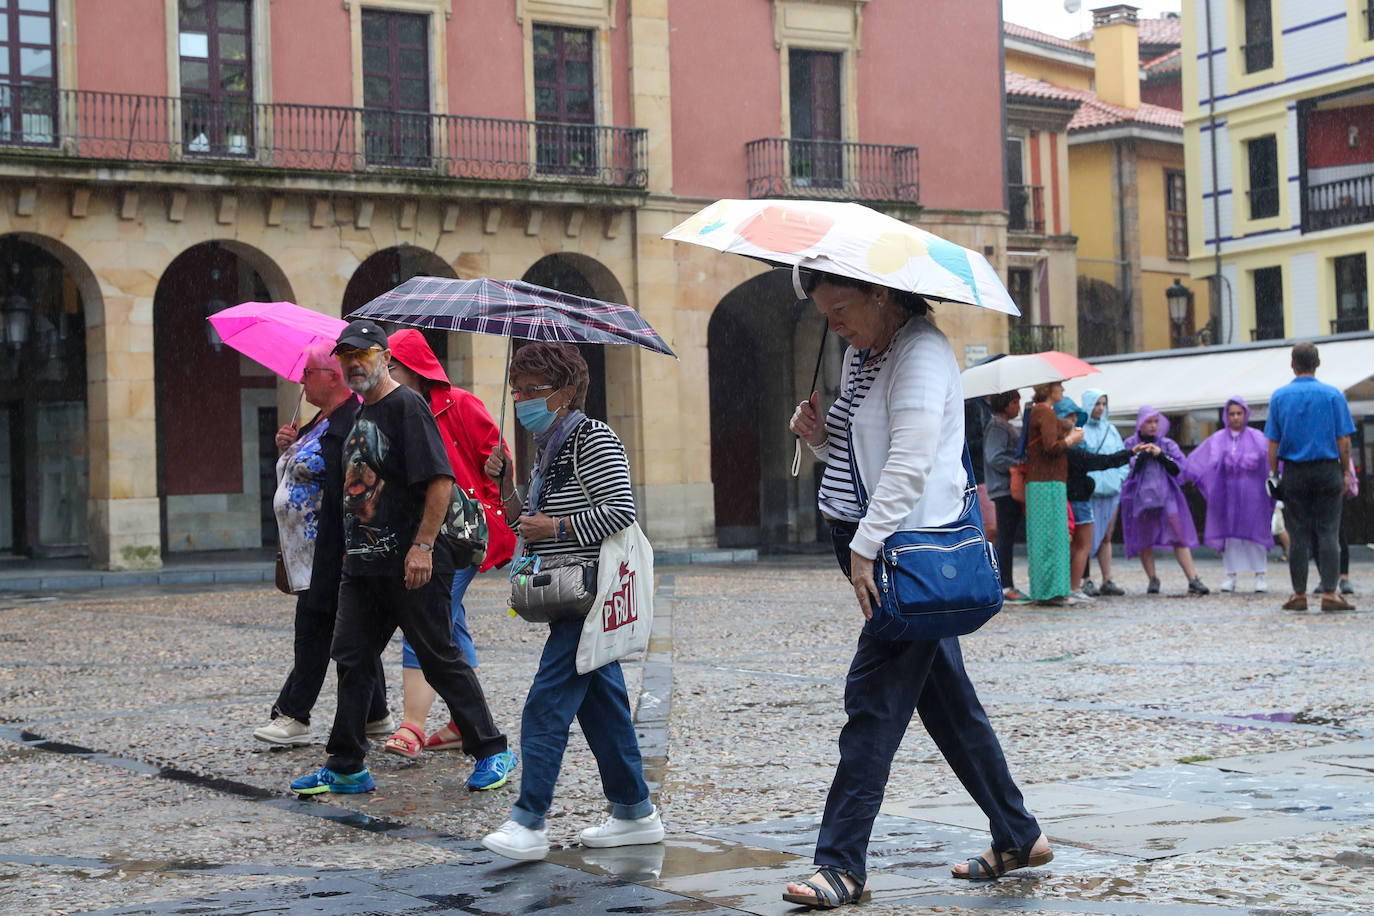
pixel 1126 178
pixel 1279 129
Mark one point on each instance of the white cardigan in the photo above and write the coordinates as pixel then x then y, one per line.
pixel 909 438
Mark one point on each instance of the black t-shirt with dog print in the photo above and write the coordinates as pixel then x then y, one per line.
pixel 391 454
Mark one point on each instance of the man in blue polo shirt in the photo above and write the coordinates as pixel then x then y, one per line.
pixel 1309 429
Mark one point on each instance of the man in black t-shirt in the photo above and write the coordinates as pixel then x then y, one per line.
pixel 397 570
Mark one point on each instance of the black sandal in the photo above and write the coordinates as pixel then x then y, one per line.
pixel 979 869
pixel 836 895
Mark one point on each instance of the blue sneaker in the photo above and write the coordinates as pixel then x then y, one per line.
pixel 492 772
pixel 326 780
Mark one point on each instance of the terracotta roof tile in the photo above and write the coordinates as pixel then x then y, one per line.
pixel 1027 87
pixel 1095 113
pixel 1164 63
pixel 1044 38
pixel 1166 30
pixel 1092 113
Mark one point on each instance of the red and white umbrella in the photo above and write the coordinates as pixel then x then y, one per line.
pixel 1022 372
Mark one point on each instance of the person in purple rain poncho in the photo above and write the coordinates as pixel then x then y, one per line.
pixel 1229 468
pixel 1154 512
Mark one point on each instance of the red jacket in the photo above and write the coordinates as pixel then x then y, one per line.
pixel 469 434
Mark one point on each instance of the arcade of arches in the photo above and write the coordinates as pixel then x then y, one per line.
pixel 128 430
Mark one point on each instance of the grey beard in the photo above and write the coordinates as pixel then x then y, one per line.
pixel 367 384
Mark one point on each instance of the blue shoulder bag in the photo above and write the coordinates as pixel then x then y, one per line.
pixel 934 582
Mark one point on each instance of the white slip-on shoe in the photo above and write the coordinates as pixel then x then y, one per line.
pixel 516 841
pixel 618 831
pixel 1260 584
pixel 284 731
pixel 381 728
pixel 1228 584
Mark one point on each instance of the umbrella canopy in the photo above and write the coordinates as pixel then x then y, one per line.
pixel 275 334
pixel 1021 372
pixel 851 240
pixel 510 308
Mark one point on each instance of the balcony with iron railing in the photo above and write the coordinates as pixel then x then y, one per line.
pixel 833 170
pixel 191 132
pixel 1346 324
pixel 1034 338
pixel 1025 208
pixel 1332 204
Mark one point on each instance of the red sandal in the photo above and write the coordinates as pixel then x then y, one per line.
pixel 447 738
pixel 408 747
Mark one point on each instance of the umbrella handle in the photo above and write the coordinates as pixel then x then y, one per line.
pixel 299 398
pixel 501 424
pixel 815 377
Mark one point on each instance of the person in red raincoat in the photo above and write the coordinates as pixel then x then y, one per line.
pixel 469 435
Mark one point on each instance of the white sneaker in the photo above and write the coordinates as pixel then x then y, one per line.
pixel 381 727
pixel 618 831
pixel 1080 596
pixel 1260 584
pixel 1228 584
pixel 284 731
pixel 516 841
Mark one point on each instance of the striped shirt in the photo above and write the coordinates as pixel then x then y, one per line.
pixel 838 498
pixel 589 484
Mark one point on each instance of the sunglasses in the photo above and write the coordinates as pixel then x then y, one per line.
pixel 355 355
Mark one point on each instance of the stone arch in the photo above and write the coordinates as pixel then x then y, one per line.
pixel 216 410
pixel 50 306
pixel 388 268
pixel 762 346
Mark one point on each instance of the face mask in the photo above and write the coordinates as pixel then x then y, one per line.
pixel 535 415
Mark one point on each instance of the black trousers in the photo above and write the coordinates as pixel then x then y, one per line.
pixel 1312 493
pixel 1009 515
pixel 315 616
pixel 887 682
pixel 370 610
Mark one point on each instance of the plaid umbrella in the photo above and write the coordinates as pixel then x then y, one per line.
pixel 510 308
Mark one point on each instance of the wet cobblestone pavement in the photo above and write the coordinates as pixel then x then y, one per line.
pixel 1186 756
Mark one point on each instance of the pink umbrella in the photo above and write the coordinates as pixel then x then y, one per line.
pixel 275 334
pixel 1022 372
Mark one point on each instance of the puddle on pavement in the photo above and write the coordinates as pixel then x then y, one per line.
pixel 1297 718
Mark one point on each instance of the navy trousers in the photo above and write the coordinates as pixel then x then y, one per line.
pixel 370 610
pixel 887 682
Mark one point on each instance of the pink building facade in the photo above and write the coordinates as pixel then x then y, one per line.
pixel 162 159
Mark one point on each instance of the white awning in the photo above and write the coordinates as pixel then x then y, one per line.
pixel 1202 380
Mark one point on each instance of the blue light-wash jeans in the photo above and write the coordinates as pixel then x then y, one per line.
pixel 601 706
pixel 461 637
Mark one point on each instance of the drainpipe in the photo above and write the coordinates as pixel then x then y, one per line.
pixel 1126 293
pixel 1216 197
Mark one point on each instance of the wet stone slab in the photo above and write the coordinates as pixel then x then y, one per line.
pixel 1156 833
pixel 1049 802
pixel 1350 763
pixel 1277 792
pixel 759 889
pixel 492 885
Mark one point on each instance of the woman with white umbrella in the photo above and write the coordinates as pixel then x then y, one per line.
pixel 901 406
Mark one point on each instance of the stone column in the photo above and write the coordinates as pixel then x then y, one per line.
pixel 124 528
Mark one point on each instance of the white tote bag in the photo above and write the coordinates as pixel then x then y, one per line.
pixel 623 614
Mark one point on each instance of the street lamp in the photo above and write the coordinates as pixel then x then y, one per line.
pixel 212 306
pixel 1180 297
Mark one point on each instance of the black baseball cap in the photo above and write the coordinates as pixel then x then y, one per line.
pixel 362 334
